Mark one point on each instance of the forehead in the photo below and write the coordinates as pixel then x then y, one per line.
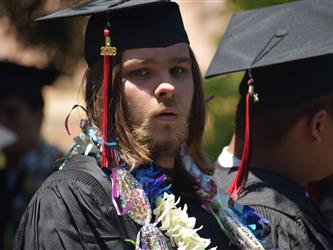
pixel 178 50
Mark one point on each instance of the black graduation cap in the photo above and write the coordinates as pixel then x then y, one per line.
pixel 132 24
pixel 24 81
pixel 272 35
pixel 286 51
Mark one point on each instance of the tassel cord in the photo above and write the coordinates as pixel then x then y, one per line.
pixel 237 184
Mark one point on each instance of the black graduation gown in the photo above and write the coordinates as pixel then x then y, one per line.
pixel 326 206
pixel 295 222
pixel 73 210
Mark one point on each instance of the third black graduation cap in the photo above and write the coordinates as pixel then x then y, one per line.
pixel 25 82
pixel 286 51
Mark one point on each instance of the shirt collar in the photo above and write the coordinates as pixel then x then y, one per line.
pixel 227 159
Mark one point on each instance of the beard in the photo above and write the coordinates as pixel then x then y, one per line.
pixel 158 137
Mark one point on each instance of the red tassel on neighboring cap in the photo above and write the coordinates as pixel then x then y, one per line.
pixel 237 184
pixel 106 51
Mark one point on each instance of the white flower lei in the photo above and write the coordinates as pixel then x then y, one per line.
pixel 177 225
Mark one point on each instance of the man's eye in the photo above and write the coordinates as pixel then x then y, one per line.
pixel 177 71
pixel 140 72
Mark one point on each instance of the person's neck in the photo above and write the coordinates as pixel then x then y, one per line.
pixel 166 161
pixel 231 146
pixel 280 159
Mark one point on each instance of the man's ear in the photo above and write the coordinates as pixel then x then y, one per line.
pixel 317 125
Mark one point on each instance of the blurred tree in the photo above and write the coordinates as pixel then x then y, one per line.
pixel 221 110
pixel 62 48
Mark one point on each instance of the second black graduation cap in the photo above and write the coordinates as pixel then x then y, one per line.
pixel 25 82
pixel 273 35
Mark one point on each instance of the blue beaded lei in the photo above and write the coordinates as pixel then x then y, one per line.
pixel 152 180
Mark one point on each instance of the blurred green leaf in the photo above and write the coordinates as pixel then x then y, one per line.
pixel 221 112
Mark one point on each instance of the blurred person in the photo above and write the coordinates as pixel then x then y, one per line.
pixel 284 118
pixel 28 161
pixel 136 177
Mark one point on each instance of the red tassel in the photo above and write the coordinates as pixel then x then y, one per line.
pixel 104 160
pixel 107 151
pixel 237 184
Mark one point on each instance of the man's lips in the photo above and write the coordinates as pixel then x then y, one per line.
pixel 167 116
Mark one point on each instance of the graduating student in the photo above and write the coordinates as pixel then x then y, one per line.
pixel 136 176
pixel 284 119
pixel 28 161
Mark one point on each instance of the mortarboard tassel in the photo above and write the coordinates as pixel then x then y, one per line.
pixel 108 152
pixel 237 184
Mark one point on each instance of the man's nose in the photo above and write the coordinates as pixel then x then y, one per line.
pixel 165 90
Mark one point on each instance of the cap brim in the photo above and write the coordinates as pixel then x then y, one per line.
pixel 95 7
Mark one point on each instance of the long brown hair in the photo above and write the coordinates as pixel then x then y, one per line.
pixel 129 149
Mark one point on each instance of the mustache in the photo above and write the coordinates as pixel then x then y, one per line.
pixel 167 106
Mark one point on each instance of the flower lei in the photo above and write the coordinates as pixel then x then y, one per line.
pixel 175 222
pixel 144 193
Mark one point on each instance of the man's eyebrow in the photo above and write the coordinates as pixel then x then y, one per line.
pixel 140 61
pixel 144 61
pixel 184 59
